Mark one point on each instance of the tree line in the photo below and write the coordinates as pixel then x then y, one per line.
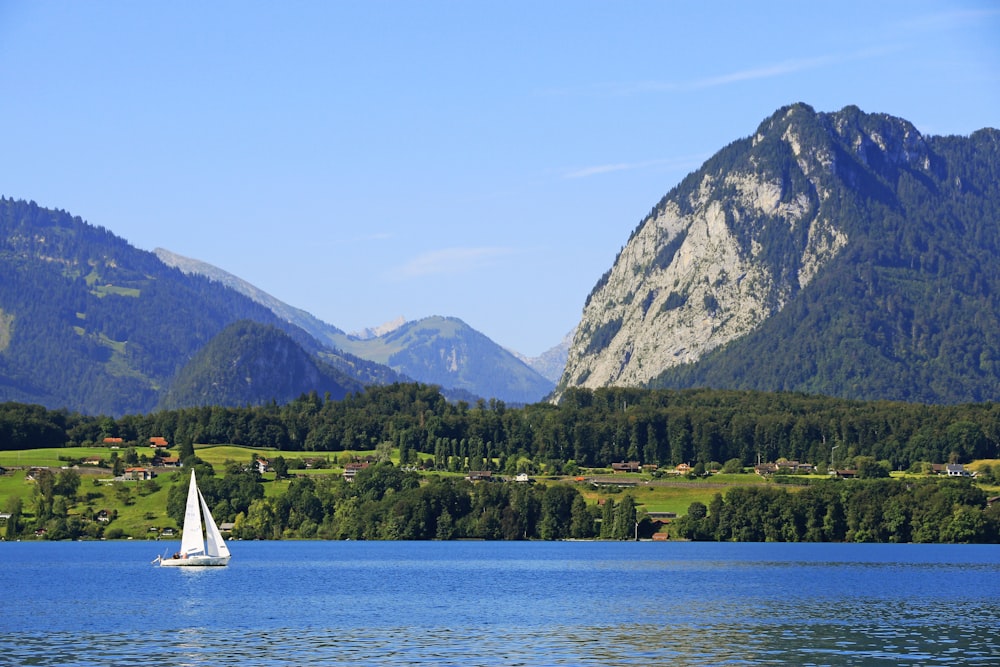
pixel 589 428
pixel 385 502
pixel 877 510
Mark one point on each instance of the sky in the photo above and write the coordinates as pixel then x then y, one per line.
pixel 482 160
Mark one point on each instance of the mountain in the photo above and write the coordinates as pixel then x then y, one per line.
pixel 434 350
pixel 448 352
pixel 251 364
pixel 837 253
pixel 92 324
pixel 380 330
pixel 551 363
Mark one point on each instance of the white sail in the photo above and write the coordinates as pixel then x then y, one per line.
pixel 215 545
pixel 194 550
pixel 192 541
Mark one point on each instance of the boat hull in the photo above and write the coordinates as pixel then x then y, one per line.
pixel 194 561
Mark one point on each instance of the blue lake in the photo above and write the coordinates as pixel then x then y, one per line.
pixel 502 603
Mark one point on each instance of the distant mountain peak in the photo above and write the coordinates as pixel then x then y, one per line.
pixel 549 364
pixel 382 329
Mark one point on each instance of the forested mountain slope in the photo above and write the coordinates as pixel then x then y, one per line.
pixel 249 363
pixel 836 253
pixel 90 323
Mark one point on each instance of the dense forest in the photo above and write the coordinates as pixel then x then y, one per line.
pixel 385 502
pixel 876 510
pixel 590 428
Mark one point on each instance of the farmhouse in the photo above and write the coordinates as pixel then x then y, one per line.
pixel 351 470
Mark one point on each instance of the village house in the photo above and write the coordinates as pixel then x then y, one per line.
pixel 950 469
pixel 784 468
pixel 626 466
pixel 351 470
pixel 793 467
pixel 137 474
pixel 113 443
pixel 156 442
pixel 616 482
pixel 479 476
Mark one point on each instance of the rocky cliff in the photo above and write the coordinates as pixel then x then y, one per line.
pixel 738 240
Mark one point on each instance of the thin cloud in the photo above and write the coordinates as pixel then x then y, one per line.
pixel 449 261
pixel 769 71
pixel 792 66
pixel 600 169
pixel 766 72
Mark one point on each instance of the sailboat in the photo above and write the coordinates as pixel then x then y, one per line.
pixel 198 548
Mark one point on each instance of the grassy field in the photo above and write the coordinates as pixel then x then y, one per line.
pixel 220 455
pixel 146 508
pixel 51 457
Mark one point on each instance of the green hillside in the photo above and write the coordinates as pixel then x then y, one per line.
pixel 247 361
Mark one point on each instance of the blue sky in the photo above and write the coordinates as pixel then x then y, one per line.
pixel 487 161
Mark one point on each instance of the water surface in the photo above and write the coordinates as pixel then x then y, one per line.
pixel 502 603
